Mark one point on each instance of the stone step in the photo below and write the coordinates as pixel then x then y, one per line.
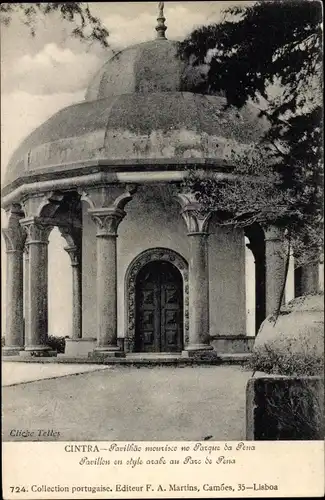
pixel 136 359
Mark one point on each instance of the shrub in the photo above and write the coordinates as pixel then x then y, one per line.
pixel 287 408
pixel 298 409
pixel 56 343
pixel 273 360
pixel 292 407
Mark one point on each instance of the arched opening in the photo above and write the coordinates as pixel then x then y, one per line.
pixel 255 275
pixel 159 308
pixel 3 285
pixel 59 287
pixel 321 276
pixel 250 290
pixel 290 282
pixel 178 270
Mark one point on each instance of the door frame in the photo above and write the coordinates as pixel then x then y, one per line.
pixel 152 254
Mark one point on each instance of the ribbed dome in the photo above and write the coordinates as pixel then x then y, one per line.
pixel 147 67
pixel 139 109
pixel 169 127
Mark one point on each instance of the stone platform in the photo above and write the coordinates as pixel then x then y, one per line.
pixel 137 359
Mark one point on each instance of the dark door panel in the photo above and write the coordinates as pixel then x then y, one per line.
pixel 159 308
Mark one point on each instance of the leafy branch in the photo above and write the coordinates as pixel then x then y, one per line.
pixel 87 28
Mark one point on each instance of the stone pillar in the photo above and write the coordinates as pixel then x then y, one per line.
pixel 14 238
pixel 74 253
pixel 26 297
pixel 199 293
pixel 37 327
pixel 107 221
pixel 275 258
pixel 197 224
pixel 309 278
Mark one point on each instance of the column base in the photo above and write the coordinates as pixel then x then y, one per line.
pixel 11 350
pixel 200 352
pixel 198 347
pixel 38 351
pixel 75 348
pixel 103 352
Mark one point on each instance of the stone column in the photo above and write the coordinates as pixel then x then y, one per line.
pixel 74 253
pixel 107 221
pixel 14 238
pixel 37 327
pixel 199 293
pixel 275 258
pixel 197 224
pixel 309 278
pixel 26 297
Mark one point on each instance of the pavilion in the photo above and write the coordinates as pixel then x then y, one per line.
pixel 151 271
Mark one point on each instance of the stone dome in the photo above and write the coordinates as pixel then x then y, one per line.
pixel 146 67
pixel 138 109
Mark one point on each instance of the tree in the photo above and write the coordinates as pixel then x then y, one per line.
pixel 87 27
pixel 269 53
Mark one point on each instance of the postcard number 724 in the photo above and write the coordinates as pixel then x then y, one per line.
pixel 18 489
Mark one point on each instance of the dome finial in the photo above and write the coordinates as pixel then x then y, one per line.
pixel 161 28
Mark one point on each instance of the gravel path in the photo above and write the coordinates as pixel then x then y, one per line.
pixel 128 403
pixel 17 373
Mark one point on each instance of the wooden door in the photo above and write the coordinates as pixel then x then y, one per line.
pixel 159 308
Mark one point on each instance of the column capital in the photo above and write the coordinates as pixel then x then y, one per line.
pixel 72 235
pixel 37 230
pixel 74 254
pixel 13 233
pixel 109 196
pixel 14 240
pixel 195 217
pixel 196 221
pixel 107 220
pixel 42 204
pixel 273 233
pixel 107 206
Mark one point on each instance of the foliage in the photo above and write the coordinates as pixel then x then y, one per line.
pixel 299 412
pixel 87 27
pixel 290 408
pixel 56 343
pixel 275 361
pixel 265 43
pixel 269 53
pixel 255 193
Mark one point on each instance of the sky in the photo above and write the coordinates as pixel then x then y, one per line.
pixel 45 73
pixel 42 74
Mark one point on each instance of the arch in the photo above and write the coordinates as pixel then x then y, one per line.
pixel 152 254
pixel 49 204
pixel 250 289
pixel 255 235
pixel 59 286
